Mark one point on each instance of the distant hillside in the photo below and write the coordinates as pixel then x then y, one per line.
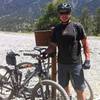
pixel 78 5
pixel 21 7
pixel 15 14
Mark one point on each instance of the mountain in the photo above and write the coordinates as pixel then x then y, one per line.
pixel 15 14
pixel 21 7
pixel 78 6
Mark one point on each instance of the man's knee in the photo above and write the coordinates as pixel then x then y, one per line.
pixel 68 89
pixel 80 91
pixel 81 95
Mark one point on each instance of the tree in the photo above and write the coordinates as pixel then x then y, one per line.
pixel 49 18
pixel 97 22
pixel 86 21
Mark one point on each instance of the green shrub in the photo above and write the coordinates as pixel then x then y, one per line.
pixel 49 17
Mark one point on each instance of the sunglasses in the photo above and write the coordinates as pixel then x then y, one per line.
pixel 63 13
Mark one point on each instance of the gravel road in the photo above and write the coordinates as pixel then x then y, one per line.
pixel 15 41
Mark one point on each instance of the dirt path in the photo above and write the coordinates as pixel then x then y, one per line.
pixel 93 74
pixel 15 41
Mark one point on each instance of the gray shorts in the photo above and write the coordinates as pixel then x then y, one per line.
pixel 72 72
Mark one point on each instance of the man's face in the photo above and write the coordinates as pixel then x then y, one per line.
pixel 64 17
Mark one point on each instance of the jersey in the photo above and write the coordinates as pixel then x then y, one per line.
pixel 67 37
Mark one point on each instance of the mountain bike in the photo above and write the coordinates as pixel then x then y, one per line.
pixel 12 88
pixel 88 90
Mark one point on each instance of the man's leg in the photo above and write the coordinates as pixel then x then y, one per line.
pixel 64 77
pixel 69 89
pixel 81 95
pixel 78 81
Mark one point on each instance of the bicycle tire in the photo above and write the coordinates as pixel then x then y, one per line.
pixel 26 68
pixel 63 95
pixel 25 65
pixel 5 86
pixel 88 92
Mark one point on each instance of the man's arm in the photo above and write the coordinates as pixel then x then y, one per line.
pixel 86 64
pixel 86 48
pixel 51 48
pixel 52 45
pixel 50 51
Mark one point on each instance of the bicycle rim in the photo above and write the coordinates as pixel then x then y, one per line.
pixel 48 90
pixel 5 87
pixel 24 65
pixel 88 92
pixel 27 68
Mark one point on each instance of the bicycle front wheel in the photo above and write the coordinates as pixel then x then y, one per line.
pixel 48 90
pixel 5 86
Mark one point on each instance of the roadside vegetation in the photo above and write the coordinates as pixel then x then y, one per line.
pixel 91 22
pixel 49 18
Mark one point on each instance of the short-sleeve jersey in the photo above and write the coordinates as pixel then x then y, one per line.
pixel 67 37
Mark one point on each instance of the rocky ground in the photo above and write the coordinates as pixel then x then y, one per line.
pixel 93 74
pixel 15 41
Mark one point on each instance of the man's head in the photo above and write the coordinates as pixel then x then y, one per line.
pixel 64 11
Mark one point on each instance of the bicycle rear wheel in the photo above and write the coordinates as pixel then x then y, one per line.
pixel 88 92
pixel 5 86
pixel 48 90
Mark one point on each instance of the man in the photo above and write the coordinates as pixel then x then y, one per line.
pixel 67 37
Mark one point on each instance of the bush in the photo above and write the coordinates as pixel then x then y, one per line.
pixel 49 18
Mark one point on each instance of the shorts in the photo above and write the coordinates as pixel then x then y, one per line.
pixel 72 72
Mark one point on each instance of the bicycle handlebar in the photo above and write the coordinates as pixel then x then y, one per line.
pixel 30 54
pixel 37 56
pixel 35 49
pixel 26 50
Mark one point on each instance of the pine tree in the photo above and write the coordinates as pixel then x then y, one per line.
pixel 86 21
pixel 97 22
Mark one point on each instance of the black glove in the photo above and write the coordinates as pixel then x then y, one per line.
pixel 86 64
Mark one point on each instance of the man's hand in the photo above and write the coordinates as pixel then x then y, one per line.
pixel 86 64
pixel 46 55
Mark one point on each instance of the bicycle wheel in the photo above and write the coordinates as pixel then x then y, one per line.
pixel 5 86
pixel 25 95
pixel 27 68
pixel 48 90
pixel 88 92
pixel 24 65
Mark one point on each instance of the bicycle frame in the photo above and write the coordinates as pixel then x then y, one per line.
pixel 38 71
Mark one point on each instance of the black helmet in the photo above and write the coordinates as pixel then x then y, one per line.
pixel 64 7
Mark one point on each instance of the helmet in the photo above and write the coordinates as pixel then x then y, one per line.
pixel 64 7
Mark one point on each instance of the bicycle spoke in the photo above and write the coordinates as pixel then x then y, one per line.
pixel 50 92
